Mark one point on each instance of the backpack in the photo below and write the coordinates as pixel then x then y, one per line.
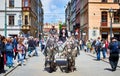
pixel 114 47
pixel 9 47
pixel 98 44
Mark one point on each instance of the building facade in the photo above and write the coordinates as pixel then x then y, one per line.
pixel 32 13
pixel 68 16
pixel 95 19
pixel 21 17
pixel 77 20
pixel 40 19
pixel 73 15
pixel 10 17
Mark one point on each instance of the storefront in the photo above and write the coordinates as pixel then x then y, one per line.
pixel 105 33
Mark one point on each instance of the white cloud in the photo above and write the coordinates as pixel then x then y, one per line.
pixel 46 4
pixel 52 12
pixel 53 7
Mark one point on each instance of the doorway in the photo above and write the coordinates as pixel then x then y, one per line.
pixel 104 35
pixel 117 35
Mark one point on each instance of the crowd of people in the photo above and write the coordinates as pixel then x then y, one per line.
pixel 14 50
pixel 109 49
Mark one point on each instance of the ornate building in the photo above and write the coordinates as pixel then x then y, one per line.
pixel 10 17
pixel 32 18
pixel 95 19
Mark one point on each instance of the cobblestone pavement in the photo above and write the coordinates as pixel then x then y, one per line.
pixel 86 65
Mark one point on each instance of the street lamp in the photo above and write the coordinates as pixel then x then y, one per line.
pixel 111 16
pixel 5 27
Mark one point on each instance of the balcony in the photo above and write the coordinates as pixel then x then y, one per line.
pixel 104 24
pixel 26 8
pixel 25 28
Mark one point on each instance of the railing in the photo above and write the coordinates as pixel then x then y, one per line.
pixel 104 24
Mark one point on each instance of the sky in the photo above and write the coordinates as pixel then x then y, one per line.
pixel 54 10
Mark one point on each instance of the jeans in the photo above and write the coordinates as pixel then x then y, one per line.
pixel 104 52
pixel 9 56
pixel 30 49
pixel 36 51
pixel 98 54
pixel 20 57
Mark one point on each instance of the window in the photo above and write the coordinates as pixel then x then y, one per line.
pixel 11 20
pixel 104 16
pixel 25 3
pixel 26 19
pixel 104 0
pixel 11 3
pixel 116 1
pixel 116 18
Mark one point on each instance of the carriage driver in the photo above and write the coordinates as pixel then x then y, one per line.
pixel 53 31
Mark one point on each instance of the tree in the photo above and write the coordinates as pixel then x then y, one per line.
pixel 60 26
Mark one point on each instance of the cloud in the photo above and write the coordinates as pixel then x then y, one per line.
pixel 54 10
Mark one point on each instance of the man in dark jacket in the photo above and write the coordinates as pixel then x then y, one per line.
pixel 114 47
pixel 63 34
pixel 2 52
pixel 31 46
pixel 53 31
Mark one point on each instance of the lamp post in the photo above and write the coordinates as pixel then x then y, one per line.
pixel 111 16
pixel 5 27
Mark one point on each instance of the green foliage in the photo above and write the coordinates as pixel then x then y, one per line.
pixel 60 26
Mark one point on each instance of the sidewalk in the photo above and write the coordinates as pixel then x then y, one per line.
pixel 15 65
pixel 8 70
pixel 105 60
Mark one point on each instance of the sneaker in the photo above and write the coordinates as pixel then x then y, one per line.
pixel 29 55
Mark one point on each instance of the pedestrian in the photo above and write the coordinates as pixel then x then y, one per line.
pixel 106 46
pixel 80 44
pixel 2 54
pixel 103 48
pixel 21 51
pixel 36 46
pixel 98 48
pixel 42 44
pixel 31 46
pixel 15 42
pixel 9 52
pixel 88 46
pixel 93 46
pixel 25 43
pixel 114 47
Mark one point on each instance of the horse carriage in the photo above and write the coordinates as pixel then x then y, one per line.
pixel 60 54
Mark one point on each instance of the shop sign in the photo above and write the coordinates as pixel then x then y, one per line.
pixel 104 33
pixel 116 33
